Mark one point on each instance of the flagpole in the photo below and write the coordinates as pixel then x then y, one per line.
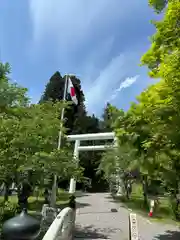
pixel 53 197
pixel 62 113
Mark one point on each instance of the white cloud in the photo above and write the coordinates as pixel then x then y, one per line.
pixel 102 86
pixel 125 84
pixel 71 24
pixel 90 66
pixel 83 34
pixel 68 23
pixel 75 18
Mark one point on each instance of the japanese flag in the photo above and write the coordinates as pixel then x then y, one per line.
pixel 71 91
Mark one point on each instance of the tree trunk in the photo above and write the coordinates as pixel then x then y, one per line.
pixel 176 209
pixel 126 188
pixel 145 190
pixel 176 201
pixel 6 193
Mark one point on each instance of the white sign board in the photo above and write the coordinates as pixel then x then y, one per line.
pixel 152 203
pixel 133 226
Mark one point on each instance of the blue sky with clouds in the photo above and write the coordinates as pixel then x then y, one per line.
pixel 100 41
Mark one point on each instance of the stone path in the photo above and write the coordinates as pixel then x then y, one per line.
pixel 94 220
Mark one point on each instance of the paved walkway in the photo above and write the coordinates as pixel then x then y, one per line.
pixel 95 220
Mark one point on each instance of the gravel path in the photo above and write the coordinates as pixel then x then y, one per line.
pixel 94 220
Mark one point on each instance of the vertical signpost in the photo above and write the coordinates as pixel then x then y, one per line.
pixel 133 229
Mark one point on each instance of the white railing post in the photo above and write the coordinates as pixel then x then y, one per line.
pixel 118 178
pixel 62 227
pixel 72 187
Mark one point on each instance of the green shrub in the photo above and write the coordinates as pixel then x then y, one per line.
pixel 7 211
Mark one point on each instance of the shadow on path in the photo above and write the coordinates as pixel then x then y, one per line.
pixel 98 212
pixel 109 197
pixel 91 232
pixel 81 194
pixel 82 205
pixel 169 235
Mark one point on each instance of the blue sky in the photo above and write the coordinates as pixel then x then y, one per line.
pixel 100 41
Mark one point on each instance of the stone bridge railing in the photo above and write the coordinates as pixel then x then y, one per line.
pixel 63 226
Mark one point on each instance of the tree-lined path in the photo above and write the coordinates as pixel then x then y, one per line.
pixel 94 220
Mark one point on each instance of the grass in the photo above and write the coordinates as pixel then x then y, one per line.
pixel 35 204
pixel 163 212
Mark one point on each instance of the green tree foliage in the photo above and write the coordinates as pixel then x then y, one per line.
pixel 77 122
pixel 11 95
pixel 29 136
pixel 107 119
pixel 158 5
pixel 54 91
pixel 151 126
pixel 165 42
pixel 30 142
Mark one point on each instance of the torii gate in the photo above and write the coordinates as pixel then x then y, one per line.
pixel 63 225
pixel 78 138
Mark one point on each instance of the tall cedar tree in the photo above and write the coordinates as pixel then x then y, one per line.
pixel 54 91
pixel 77 122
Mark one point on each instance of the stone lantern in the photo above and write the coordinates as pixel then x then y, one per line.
pixel 21 227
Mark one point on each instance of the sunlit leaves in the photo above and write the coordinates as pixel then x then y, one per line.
pixel 29 134
pixel 158 5
pixel 11 95
pixel 149 130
